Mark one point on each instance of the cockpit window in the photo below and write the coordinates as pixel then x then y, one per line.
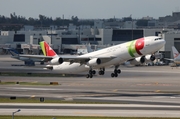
pixel 157 39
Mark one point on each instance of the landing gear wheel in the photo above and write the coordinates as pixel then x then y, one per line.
pixel 112 74
pixel 116 75
pixel 91 76
pixel 118 71
pixel 93 72
pixel 101 72
pixel 115 71
pixel 90 72
pixel 87 76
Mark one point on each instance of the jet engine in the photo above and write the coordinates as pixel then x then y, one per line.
pixel 94 62
pixel 137 61
pixel 57 61
pixel 150 57
pixel 49 67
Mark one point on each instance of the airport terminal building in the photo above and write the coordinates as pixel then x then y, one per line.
pixel 68 41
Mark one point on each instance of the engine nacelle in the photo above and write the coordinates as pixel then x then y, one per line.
pixel 150 57
pixel 57 61
pixel 137 61
pixel 94 62
pixel 49 67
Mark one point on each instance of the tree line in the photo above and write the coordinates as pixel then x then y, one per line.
pixel 42 21
pixel 16 22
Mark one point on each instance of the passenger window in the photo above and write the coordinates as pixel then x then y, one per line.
pixel 157 39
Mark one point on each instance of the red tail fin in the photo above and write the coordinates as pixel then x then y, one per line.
pixel 47 50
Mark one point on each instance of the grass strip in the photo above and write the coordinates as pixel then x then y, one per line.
pixel 23 83
pixel 38 74
pixel 47 100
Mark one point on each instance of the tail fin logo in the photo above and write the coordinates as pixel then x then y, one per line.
pixel 176 55
pixel 175 52
pixel 47 50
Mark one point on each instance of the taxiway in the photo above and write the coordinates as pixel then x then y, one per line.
pixel 152 90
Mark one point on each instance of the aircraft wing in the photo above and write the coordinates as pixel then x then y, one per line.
pixel 42 57
pixel 85 59
pixel 71 58
pixel 169 59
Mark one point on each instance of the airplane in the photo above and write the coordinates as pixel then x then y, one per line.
pixel 27 60
pixel 82 51
pixel 176 56
pixel 111 56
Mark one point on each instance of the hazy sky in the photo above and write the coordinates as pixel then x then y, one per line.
pixel 89 8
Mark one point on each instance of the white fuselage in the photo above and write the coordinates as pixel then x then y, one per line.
pixel 119 52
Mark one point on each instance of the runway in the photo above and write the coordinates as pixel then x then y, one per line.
pixel 123 110
pixel 139 91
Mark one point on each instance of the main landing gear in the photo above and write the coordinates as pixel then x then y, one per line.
pixel 116 72
pixel 91 73
pixel 101 72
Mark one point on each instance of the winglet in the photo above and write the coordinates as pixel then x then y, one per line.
pixel 47 50
pixel 175 52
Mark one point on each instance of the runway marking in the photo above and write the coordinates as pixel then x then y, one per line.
pixel 172 97
pixel 33 96
pixel 157 91
pixel 52 89
pixel 151 71
pixel 152 84
pixel 88 114
pixel 68 99
pixel 115 90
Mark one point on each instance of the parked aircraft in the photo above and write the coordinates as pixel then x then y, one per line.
pixel 176 56
pixel 28 61
pixel 114 55
pixel 82 51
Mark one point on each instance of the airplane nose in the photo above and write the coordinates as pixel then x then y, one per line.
pixel 161 43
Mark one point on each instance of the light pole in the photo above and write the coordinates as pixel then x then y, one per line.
pixel 14 113
pixel 51 35
pixel 132 29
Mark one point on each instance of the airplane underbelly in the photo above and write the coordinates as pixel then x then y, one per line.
pixel 68 68
pixel 115 61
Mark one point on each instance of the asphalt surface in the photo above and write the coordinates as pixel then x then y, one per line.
pixel 123 110
pixel 152 89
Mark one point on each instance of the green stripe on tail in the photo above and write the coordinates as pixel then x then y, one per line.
pixel 43 48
